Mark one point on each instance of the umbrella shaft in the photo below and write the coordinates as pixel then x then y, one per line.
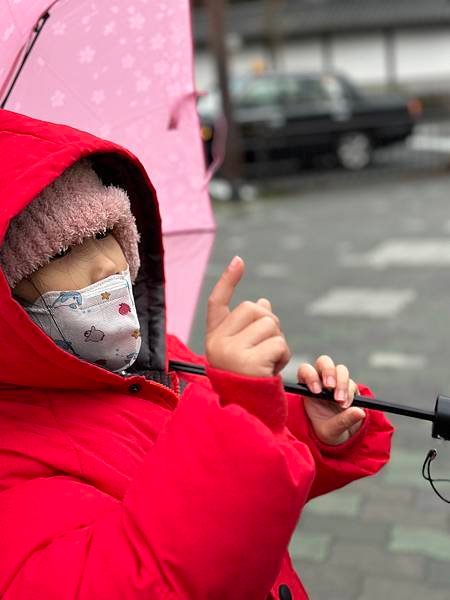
pixel 297 388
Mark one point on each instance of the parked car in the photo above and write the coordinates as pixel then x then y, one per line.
pixel 308 115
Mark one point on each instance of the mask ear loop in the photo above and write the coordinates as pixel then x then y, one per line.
pixel 68 344
pixel 426 474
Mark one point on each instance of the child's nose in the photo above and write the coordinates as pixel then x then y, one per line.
pixel 102 266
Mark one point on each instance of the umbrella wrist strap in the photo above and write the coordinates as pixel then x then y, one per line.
pixel 426 474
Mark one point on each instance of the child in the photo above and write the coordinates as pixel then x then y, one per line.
pixel 113 484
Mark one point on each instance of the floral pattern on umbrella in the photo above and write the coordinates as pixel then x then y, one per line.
pixel 124 71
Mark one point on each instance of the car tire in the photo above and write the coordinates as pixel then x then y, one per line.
pixel 354 150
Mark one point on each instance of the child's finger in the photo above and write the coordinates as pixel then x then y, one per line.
pixel 327 371
pixel 274 350
pixel 283 361
pixel 342 381
pixel 220 297
pixel 352 390
pixel 265 303
pixel 243 315
pixel 258 331
pixel 307 374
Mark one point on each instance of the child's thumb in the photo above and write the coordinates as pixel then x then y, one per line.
pixel 343 422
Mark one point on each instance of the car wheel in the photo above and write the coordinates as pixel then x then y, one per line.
pixel 354 150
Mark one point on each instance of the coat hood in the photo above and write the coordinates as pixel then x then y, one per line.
pixel 33 154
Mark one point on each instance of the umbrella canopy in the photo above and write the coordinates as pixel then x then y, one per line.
pixel 124 70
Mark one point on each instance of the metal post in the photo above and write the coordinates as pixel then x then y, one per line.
pixel 232 165
pixel 390 57
pixel 272 10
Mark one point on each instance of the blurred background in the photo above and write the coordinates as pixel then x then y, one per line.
pixel 332 118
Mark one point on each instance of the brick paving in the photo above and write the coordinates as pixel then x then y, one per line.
pixel 387 536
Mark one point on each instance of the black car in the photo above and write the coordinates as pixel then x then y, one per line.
pixel 305 116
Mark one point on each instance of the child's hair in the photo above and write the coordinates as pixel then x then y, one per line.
pixel 75 206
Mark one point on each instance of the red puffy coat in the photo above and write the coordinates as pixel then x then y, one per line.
pixel 120 488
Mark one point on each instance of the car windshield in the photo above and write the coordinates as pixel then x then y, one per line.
pixel 265 91
pixel 257 92
pixel 334 88
pixel 242 91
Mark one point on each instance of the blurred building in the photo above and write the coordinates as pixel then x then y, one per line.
pixel 379 43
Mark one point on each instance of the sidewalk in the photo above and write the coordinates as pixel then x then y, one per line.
pixel 387 537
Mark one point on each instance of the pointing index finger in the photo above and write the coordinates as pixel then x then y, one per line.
pixel 222 293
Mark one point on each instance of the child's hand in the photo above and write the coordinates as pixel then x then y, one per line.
pixel 248 339
pixel 334 421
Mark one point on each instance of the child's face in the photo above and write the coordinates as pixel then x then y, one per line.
pixel 76 268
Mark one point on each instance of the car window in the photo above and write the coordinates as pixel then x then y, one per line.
pixel 304 91
pixel 350 91
pixel 260 92
pixel 338 89
pixel 211 103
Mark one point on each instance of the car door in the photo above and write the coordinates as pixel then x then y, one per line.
pixel 315 113
pixel 382 117
pixel 259 113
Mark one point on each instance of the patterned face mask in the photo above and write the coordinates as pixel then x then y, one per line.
pixel 98 324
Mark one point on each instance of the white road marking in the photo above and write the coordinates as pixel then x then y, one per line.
pixel 417 252
pixel 362 302
pixel 397 360
pixel 430 143
pixel 272 270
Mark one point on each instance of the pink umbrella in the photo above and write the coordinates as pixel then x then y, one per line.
pixel 123 70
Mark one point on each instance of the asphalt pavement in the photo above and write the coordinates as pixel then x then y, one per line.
pixel 358 266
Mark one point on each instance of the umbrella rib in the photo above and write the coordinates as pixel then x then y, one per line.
pixel 37 30
pixel 189 231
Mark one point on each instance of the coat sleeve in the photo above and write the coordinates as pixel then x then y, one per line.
pixel 208 514
pixel 365 453
pixel 336 466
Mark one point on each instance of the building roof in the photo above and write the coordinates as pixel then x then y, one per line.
pixel 314 17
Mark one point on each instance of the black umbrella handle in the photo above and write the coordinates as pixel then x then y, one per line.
pixel 440 417
pixel 441 421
